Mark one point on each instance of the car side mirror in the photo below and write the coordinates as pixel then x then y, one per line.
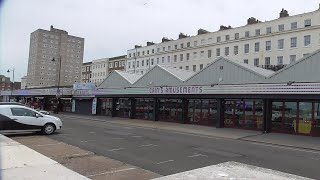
pixel 38 115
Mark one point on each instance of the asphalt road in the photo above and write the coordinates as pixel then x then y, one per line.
pixel 166 152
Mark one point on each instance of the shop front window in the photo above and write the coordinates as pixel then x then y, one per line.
pixel 316 116
pixel 253 114
pixel 105 106
pixel 246 114
pixel 290 116
pixel 296 117
pixel 66 104
pixel 284 116
pixel 202 111
pixel 123 108
pixel 170 110
pixel 144 108
pixel 305 118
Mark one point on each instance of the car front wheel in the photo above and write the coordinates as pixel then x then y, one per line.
pixel 48 129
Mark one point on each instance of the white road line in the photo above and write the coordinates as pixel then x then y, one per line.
pixel 85 141
pixel 116 149
pixel 147 145
pixel 49 144
pixel 136 136
pixel 111 172
pixel 197 155
pixel 162 162
pixel 280 147
pixel 92 132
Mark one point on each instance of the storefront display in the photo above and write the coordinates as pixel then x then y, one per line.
pixel 170 110
pixel 104 106
pixel 245 114
pixel 202 111
pixel 144 108
pixel 123 106
pixel 296 117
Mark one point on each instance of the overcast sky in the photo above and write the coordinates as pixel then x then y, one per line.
pixel 111 27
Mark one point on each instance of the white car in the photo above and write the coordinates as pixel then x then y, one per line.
pixel 17 118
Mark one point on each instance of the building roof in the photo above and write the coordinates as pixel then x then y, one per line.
pixel 297 63
pixel 117 57
pixel 86 63
pixel 255 69
pixel 245 25
pixel 130 77
pixel 100 60
pixel 178 73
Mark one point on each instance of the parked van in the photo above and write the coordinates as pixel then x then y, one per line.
pixel 17 118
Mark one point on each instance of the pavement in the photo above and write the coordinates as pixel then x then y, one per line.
pixel 169 151
pixel 232 170
pixel 21 162
pixel 287 140
pixel 81 161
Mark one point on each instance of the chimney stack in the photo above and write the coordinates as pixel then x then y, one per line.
pixel 164 39
pixel 137 46
pixel 150 43
pixel 252 20
pixel 181 35
pixel 202 31
pixel 224 27
pixel 283 13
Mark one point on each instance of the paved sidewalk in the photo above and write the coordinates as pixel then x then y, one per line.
pixel 288 140
pixel 20 162
pixel 296 141
pixel 87 163
pixel 232 170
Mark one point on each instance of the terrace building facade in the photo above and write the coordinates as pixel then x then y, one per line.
pixel 271 45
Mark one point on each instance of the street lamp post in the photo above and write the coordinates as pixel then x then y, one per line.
pixel 58 90
pixel 12 84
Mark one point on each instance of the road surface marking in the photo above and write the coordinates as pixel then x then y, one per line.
pixel 162 162
pixel 116 149
pixel 197 155
pixel 85 141
pixel 136 136
pixel 49 144
pixel 111 172
pixel 147 145
pixel 92 132
pixel 127 127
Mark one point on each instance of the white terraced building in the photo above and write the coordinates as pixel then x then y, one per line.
pixel 99 70
pixel 271 45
